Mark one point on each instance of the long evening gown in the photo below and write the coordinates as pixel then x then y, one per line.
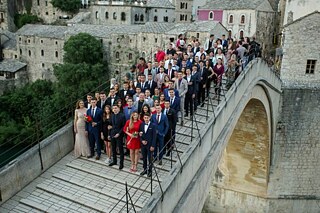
pixel 81 145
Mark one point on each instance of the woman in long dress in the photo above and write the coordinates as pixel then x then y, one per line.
pixel 105 133
pixel 81 145
pixel 133 142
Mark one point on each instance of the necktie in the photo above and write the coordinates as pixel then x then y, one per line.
pixel 158 118
pixel 142 86
pixel 180 82
pixel 92 112
pixel 171 102
pixel 150 84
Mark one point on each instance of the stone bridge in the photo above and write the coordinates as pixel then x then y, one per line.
pixel 235 134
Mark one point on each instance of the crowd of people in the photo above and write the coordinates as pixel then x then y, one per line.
pixel 140 114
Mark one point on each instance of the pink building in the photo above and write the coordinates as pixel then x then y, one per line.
pixel 205 15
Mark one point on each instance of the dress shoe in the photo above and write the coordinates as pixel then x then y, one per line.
pixel 89 156
pixel 121 166
pixel 202 105
pixel 181 123
pixel 160 162
pixel 168 153
pixel 186 115
pixel 149 174
pixel 143 172
pixel 112 164
pixel 97 157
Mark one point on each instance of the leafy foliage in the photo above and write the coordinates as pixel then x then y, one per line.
pixel 67 5
pixel 22 19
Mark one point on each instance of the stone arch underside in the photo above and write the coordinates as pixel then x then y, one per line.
pixel 244 166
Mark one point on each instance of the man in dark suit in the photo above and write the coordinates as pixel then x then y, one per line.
pixel 172 119
pixel 197 78
pixel 112 99
pixel 103 99
pixel 191 94
pixel 128 110
pixel 87 103
pixel 166 90
pixel 174 100
pixel 151 84
pixel 170 71
pixel 93 128
pixel 162 123
pixel 142 84
pixel 125 91
pixel 118 121
pixel 196 48
pixel 148 135
pixel 202 84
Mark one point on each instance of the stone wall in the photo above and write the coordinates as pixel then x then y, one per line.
pixel 183 7
pixel 25 168
pixel 111 15
pixel 295 167
pixel 301 43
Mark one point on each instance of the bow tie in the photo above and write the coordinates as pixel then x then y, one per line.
pixel 129 107
pixel 146 124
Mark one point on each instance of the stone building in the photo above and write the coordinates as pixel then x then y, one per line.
pixel 295 9
pixel 131 12
pixel 41 46
pixel 6 15
pixel 300 63
pixel 245 18
pixel 183 10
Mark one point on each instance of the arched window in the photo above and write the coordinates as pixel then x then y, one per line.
pixel 42 53
pixel 117 55
pixel 114 15
pixel 136 17
pixel 107 15
pixel 165 19
pixel 241 33
pixel 29 52
pixel 20 51
pixel 231 19
pixel 57 54
pixel 123 16
pixel 155 19
pixel 97 14
pixel 243 19
pixel 211 15
pixel 186 17
pixel 130 56
pixel 141 17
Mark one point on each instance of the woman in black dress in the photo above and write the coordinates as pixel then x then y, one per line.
pixel 106 126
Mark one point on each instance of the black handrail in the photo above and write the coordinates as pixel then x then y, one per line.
pixel 127 200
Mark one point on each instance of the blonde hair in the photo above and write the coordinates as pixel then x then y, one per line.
pixel 78 104
pixel 131 120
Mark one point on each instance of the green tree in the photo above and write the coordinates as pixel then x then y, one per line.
pixel 83 48
pixel 22 19
pixel 67 5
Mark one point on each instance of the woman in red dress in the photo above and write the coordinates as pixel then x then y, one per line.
pixel 133 142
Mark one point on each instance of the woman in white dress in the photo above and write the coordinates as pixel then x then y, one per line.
pixel 81 146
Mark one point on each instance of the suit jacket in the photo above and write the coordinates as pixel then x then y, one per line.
pixel 128 112
pixel 163 125
pixel 97 118
pixel 204 76
pixel 86 104
pixel 197 78
pixel 160 80
pixel 192 86
pixel 136 105
pixel 171 74
pixel 145 86
pixel 118 121
pixel 108 101
pixel 166 93
pixel 193 50
pixel 122 96
pixel 150 136
pixel 101 104
pixel 182 87
pixel 152 87
pixel 176 104
pixel 172 118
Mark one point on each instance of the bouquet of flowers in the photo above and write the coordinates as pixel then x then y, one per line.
pixel 87 118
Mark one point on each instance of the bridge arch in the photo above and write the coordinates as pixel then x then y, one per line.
pixel 244 165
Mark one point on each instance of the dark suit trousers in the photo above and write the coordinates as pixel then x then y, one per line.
pixel 159 147
pixel 201 94
pixel 146 157
pixel 94 140
pixel 167 138
pixel 117 142
pixel 188 104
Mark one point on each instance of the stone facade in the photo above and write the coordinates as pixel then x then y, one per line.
pixel 6 15
pixel 300 63
pixel 299 9
pixel 183 10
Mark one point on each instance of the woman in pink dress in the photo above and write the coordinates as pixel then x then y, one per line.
pixel 131 128
pixel 81 145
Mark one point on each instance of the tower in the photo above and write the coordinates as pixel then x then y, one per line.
pixel 183 10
